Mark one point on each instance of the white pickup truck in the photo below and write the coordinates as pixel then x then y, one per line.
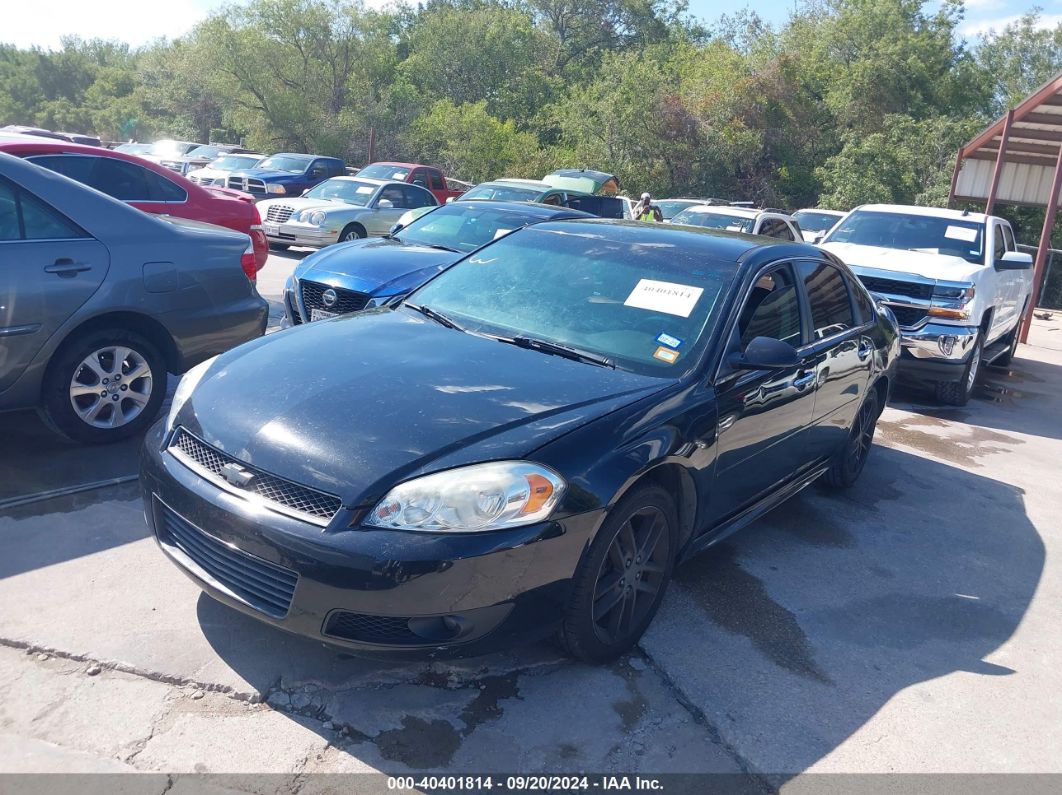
pixel 954 280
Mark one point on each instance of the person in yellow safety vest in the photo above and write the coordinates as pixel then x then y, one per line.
pixel 645 210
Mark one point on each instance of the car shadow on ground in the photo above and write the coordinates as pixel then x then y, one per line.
pixel 295 254
pixel 788 638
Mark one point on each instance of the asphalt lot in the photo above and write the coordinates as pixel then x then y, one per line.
pixel 909 625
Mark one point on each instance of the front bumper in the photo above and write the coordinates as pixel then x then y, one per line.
pixel 936 352
pixel 362 588
pixel 299 234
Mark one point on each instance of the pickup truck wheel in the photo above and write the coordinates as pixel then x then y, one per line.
pixel 351 232
pixel 849 462
pixel 107 386
pixel 621 581
pixel 957 393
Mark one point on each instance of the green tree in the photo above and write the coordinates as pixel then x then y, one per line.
pixel 1019 59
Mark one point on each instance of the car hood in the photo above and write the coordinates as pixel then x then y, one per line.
pixel 928 266
pixel 265 173
pixel 356 404
pixel 370 266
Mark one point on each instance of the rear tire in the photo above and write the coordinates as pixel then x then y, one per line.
pixel 107 386
pixel 957 393
pixel 849 461
pixel 622 579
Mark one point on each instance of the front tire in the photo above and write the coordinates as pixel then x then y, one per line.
pixel 849 462
pixel 351 232
pixel 621 581
pixel 107 386
pixel 957 393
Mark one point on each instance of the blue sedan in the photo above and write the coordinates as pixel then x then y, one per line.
pixel 367 273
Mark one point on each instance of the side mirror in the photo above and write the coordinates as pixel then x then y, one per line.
pixel 385 204
pixel 765 353
pixel 396 229
pixel 1014 261
pixel 305 192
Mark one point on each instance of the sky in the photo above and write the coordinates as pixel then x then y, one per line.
pixel 140 21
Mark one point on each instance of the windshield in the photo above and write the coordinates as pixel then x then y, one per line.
pixel 170 148
pixel 235 162
pixel 713 220
pixel 811 221
pixel 384 171
pixel 928 234
pixel 292 165
pixel 503 193
pixel 349 191
pixel 672 207
pixel 644 306
pixel 464 227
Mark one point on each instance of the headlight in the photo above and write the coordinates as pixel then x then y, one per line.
pixel 271 188
pixel 184 389
pixel 468 499
pixel 313 217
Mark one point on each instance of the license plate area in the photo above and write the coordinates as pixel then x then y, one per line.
pixel 321 314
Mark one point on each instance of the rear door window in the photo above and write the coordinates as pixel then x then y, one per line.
pixel 436 181
pixel 1009 235
pixel 828 297
pixel 417 197
pixel 123 180
pixel 25 217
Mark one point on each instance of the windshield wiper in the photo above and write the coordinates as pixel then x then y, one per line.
pixel 556 349
pixel 435 315
pixel 438 246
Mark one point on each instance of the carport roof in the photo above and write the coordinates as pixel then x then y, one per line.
pixel 1032 147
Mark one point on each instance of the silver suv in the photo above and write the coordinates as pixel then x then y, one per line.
pixel 99 301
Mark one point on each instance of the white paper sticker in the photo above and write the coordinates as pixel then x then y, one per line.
pixel 675 299
pixel 501 232
pixel 365 189
pixel 963 233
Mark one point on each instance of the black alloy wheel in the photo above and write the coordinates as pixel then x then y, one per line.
pixel 622 580
pixel 849 463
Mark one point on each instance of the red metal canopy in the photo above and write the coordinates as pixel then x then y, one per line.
pixel 1018 160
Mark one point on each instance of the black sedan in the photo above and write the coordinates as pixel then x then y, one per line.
pixel 367 273
pixel 527 445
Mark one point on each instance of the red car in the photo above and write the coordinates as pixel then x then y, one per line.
pixel 146 186
pixel 427 177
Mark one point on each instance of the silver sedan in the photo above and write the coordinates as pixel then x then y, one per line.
pixel 340 209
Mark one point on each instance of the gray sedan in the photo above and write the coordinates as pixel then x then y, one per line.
pixel 98 301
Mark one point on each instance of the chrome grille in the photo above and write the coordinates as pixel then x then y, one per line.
pixel 247 185
pixel 279 213
pixel 346 300
pixel 897 287
pixel 289 496
pixel 907 316
pixel 263 585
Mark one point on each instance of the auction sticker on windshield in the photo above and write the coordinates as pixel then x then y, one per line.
pixel 963 233
pixel 674 299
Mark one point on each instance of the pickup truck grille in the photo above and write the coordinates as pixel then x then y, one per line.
pixel 247 185
pixel 346 300
pixel 279 213
pixel 897 287
pixel 908 316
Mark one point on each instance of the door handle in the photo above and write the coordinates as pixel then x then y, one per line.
pixel 804 380
pixel 67 267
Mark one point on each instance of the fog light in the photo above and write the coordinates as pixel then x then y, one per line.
pixel 946 343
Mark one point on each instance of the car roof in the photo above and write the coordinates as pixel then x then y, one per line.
pixel 537 209
pixel 722 209
pixel 520 183
pixel 933 212
pixel 301 155
pixel 716 243
pixel 838 213
pixel 396 163
pixel 370 180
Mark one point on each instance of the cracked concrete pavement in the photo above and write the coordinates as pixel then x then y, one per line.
pixel 907 625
